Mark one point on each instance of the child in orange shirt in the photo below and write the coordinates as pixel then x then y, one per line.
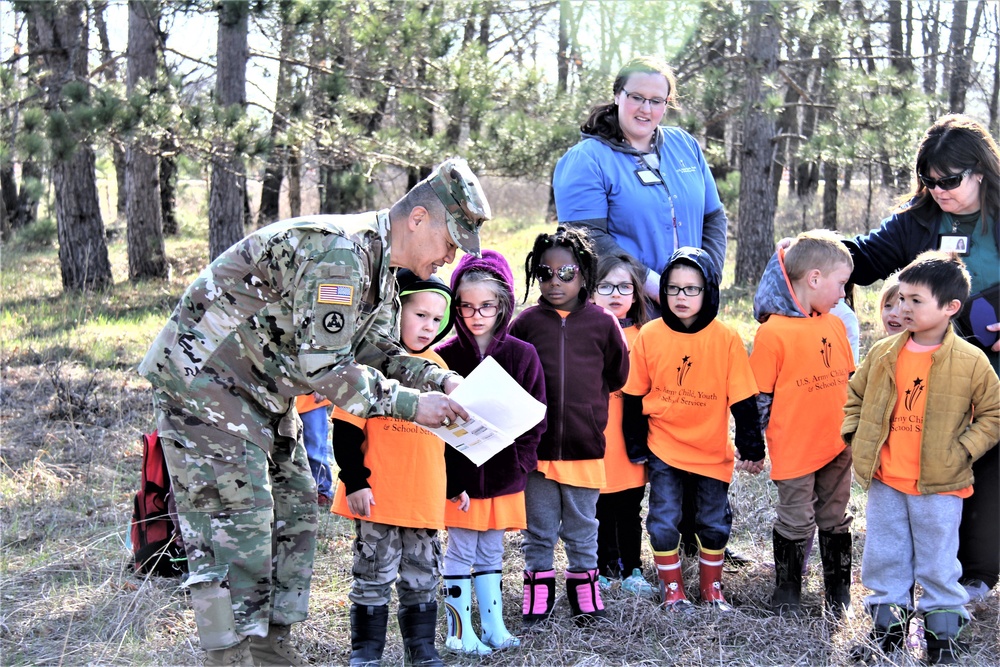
pixel 923 407
pixel 620 280
pixel 688 370
pixel 802 361
pixel 392 483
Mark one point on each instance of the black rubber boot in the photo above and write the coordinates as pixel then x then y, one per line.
pixel 416 624
pixel 942 629
pixel 835 552
pixel 889 627
pixel 368 624
pixel 788 557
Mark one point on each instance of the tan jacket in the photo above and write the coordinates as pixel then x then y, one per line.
pixel 961 421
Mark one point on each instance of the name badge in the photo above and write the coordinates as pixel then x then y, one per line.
pixel 648 177
pixel 957 243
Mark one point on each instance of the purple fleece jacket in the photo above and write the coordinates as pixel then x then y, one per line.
pixel 507 472
pixel 585 358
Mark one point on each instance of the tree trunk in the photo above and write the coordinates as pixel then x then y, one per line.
pixel 8 199
pixel 960 82
pixel 830 195
pixel 995 93
pixel 110 70
pixel 956 69
pixel 294 183
pixel 146 252
pixel 26 209
pixel 898 55
pixel 83 252
pixel 562 54
pixel 755 237
pixel 168 184
pixel 226 189
pixel 930 30
pixel 270 192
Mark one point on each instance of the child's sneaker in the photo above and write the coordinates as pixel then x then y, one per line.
pixel 637 585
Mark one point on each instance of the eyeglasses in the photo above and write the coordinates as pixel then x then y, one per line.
pixel 607 289
pixel 639 100
pixel 946 183
pixel 486 310
pixel 565 273
pixel 690 290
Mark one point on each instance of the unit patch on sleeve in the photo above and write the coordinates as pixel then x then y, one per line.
pixel 333 322
pixel 340 295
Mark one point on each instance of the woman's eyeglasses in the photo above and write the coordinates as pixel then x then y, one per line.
pixel 565 273
pixel 690 290
pixel 607 289
pixel 946 183
pixel 639 100
pixel 486 310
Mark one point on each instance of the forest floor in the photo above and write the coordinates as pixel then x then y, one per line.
pixel 71 412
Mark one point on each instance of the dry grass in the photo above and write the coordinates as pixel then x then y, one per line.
pixel 71 410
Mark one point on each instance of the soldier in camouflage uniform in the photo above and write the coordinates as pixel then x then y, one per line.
pixel 303 305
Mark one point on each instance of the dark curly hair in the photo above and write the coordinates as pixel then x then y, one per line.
pixel 574 239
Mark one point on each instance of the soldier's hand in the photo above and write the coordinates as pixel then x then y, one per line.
pixel 360 502
pixel 435 409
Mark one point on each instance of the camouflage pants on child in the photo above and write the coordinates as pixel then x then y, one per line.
pixel 384 554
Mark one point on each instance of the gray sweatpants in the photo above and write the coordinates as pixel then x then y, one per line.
pixel 473 550
pixel 557 511
pixel 912 539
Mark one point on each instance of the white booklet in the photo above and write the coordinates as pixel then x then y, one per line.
pixel 499 411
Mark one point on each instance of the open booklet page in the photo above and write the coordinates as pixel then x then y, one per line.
pixel 499 411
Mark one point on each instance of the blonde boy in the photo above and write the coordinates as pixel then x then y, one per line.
pixel 802 361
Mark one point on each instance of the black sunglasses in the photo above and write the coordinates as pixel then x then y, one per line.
pixel 565 273
pixel 946 183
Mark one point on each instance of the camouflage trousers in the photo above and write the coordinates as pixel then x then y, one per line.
pixel 385 555
pixel 249 523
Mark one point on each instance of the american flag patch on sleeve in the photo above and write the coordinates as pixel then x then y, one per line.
pixel 341 295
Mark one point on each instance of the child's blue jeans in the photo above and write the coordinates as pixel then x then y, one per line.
pixel 713 519
pixel 316 436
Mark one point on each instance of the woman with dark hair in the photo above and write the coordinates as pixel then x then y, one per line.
pixel 640 188
pixel 955 206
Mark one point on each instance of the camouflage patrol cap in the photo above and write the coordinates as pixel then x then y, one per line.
pixel 464 202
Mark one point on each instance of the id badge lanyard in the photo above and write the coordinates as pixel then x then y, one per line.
pixel 649 174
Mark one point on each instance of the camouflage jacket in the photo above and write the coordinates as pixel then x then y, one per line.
pixel 303 305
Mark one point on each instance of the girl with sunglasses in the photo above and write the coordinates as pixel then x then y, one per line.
pixel 584 358
pixel 484 305
pixel 955 206
pixel 619 535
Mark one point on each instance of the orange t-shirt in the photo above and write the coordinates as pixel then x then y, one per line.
pixel 688 382
pixel 408 479
pixel 621 473
pixel 499 513
pixel 585 473
pixel 899 458
pixel 805 363
pixel 308 403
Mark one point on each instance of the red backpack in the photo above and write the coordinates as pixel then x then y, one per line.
pixel 156 535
